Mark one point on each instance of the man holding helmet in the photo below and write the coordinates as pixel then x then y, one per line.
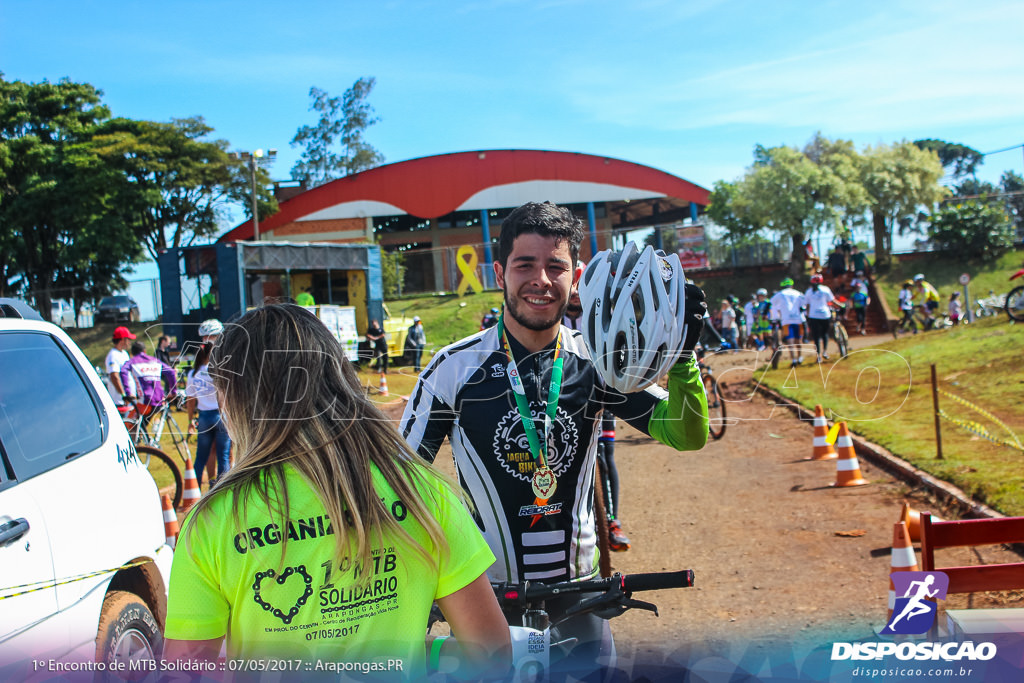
pixel 521 404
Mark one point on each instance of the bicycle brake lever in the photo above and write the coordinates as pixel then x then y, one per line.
pixel 630 603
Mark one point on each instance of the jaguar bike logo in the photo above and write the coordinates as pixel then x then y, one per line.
pixel 513 447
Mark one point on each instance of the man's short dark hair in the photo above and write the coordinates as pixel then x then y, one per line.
pixel 137 348
pixel 545 219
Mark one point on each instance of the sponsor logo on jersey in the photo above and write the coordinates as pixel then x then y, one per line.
pixel 531 510
pixel 497 370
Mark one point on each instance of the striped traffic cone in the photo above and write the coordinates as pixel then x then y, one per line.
pixel 191 495
pixel 383 384
pixel 912 518
pixel 170 520
pixel 903 560
pixel 847 467
pixel 822 448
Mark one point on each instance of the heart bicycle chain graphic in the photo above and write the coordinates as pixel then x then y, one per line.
pixel 281 579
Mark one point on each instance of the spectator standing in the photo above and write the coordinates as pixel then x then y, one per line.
pixel 955 309
pixel 836 263
pixel 379 343
pixel 786 311
pixel 859 260
pixel 728 317
pixel 819 314
pixel 305 298
pixel 212 433
pixel 810 258
pixel 117 356
pixel 163 350
pixel 490 319
pixel 762 318
pixel 417 340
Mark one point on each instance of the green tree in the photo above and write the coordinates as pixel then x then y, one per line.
pixel 344 120
pixel 901 181
pixel 1012 186
pixel 790 194
pixel 59 227
pixel 959 160
pixel 973 229
pixel 176 183
pixel 392 264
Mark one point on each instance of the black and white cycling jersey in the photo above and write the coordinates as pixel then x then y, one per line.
pixel 464 394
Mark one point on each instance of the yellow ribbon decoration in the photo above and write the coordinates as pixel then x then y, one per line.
pixel 45 585
pixel 466 260
pixel 984 413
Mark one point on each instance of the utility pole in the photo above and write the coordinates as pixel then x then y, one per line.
pixel 254 158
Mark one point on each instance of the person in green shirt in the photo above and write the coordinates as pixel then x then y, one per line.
pixel 305 298
pixel 329 540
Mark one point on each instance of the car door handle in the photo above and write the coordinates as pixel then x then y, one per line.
pixel 13 530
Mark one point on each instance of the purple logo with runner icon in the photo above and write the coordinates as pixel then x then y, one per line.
pixel 917 594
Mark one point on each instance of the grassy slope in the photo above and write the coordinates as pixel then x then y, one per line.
pixel 943 272
pixel 885 394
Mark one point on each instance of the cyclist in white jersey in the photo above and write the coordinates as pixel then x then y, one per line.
pixel 787 305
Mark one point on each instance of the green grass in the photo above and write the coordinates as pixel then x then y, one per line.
pixel 885 395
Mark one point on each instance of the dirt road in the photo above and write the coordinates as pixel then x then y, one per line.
pixel 780 555
pixel 776 549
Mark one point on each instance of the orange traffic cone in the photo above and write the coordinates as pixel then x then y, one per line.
pixel 847 467
pixel 383 384
pixel 191 495
pixel 903 560
pixel 822 448
pixel 912 518
pixel 170 520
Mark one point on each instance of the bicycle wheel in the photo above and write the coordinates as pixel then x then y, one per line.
pixel 164 470
pixel 716 406
pixel 178 441
pixel 1015 304
pixel 842 339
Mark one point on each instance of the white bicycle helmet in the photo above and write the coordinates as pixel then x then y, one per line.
pixel 210 328
pixel 633 304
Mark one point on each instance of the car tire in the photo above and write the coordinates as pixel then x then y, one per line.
pixel 127 631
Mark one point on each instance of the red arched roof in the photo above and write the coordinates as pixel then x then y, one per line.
pixel 430 187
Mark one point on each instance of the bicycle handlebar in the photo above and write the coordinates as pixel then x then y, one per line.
pixel 526 592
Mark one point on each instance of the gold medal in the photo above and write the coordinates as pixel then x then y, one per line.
pixel 544 483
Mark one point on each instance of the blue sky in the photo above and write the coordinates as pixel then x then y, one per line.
pixel 687 86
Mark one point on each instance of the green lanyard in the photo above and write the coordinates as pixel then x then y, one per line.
pixel 538 441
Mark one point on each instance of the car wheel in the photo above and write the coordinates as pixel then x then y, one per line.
pixel 127 631
pixel 133 317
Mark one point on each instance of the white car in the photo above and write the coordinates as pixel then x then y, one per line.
pixel 84 565
pixel 62 313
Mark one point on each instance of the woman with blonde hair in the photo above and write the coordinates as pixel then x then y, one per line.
pixel 329 540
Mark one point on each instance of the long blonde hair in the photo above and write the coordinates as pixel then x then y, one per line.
pixel 289 395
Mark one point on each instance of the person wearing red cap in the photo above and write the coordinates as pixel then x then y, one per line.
pixel 116 357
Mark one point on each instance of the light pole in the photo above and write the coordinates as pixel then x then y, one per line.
pixel 254 158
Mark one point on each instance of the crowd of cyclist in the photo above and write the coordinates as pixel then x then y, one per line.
pixel 790 317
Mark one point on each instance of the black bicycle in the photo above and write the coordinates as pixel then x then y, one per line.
pixel 524 607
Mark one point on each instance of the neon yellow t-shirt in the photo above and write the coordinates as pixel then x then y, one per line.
pixel 230 579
